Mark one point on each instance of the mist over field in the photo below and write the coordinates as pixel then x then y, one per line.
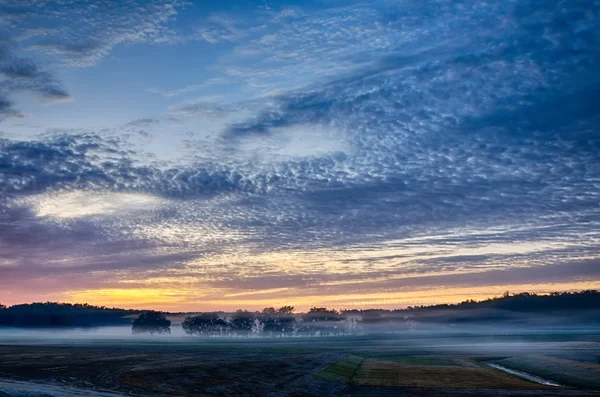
pixel 547 345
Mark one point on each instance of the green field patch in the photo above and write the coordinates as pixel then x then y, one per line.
pixel 431 360
pixel 343 370
pixel 566 372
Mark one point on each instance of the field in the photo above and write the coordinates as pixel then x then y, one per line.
pixel 437 372
pixel 567 372
pixel 384 365
pixel 423 371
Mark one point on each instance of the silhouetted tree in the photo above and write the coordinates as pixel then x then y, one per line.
pixel 321 321
pixel 286 310
pixel 242 320
pixel 204 324
pixel 278 321
pixel 373 317
pixel 52 314
pixel 322 314
pixel 151 322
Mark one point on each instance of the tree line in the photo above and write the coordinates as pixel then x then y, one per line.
pixel 63 315
pixel 285 321
pixel 269 321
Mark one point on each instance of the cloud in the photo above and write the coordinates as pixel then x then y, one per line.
pixel 7 109
pixel 216 81
pixel 336 284
pixel 23 75
pixel 381 147
pixel 107 24
pixel 78 204
pixel 219 28
pixel 204 108
pixel 19 74
pixel 53 28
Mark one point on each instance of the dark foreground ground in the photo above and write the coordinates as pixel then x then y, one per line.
pixel 376 365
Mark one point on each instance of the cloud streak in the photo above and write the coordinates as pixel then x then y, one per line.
pixel 18 75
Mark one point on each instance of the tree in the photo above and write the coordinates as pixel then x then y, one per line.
pixel 242 320
pixel 151 322
pixel 2 307
pixel 323 314
pixel 372 317
pixel 286 310
pixel 277 321
pixel 204 324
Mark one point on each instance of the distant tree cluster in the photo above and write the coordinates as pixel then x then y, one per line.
pixel 514 308
pixel 204 324
pixel 242 322
pixel 529 301
pixel 151 323
pixel 269 321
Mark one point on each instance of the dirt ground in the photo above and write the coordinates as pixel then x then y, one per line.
pixel 190 372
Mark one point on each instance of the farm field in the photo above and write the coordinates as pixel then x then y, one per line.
pixel 423 372
pixel 567 372
pixel 384 365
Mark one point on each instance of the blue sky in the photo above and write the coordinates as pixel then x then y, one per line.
pixel 239 154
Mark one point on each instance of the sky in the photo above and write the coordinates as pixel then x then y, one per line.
pixel 204 155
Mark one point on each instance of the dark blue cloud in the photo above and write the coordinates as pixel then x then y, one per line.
pixel 20 74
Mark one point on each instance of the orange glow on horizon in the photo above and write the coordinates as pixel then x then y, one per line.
pixel 177 299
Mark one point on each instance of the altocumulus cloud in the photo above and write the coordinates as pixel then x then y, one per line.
pixel 52 27
pixel 457 144
pixel 23 75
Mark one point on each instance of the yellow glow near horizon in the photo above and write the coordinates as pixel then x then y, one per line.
pixel 181 299
pixel 122 297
